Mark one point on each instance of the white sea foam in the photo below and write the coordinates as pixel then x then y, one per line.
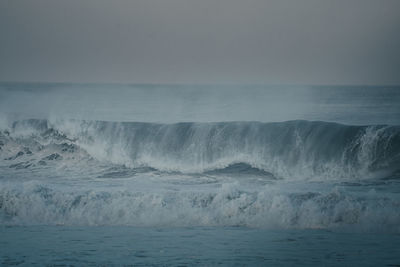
pixel 288 150
pixel 228 204
pixel 200 174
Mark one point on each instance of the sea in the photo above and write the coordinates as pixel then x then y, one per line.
pixel 199 175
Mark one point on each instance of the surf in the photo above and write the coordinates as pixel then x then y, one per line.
pixel 284 150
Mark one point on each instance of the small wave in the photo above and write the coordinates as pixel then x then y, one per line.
pixel 241 169
pixel 123 172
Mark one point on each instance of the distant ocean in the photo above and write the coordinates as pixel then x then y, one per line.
pixel 113 174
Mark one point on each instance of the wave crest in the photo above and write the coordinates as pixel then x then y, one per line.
pixel 290 150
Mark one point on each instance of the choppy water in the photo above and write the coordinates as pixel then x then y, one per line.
pixel 275 163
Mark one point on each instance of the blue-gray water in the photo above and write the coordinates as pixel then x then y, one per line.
pixel 206 175
pixel 204 246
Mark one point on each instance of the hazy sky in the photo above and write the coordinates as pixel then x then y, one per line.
pixel 201 41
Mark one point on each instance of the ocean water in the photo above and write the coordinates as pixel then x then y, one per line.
pixel 111 174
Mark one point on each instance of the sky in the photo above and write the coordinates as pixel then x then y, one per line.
pixel 352 42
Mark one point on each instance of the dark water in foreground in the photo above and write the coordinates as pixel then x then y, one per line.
pixel 204 246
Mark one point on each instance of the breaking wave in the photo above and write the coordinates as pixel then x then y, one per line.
pixel 283 150
pixel 294 174
pixel 227 205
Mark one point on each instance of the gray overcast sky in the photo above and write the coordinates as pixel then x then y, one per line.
pixel 201 41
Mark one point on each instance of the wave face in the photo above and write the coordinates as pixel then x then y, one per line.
pixel 284 150
pixel 295 174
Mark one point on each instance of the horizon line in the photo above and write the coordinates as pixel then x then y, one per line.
pixel 199 84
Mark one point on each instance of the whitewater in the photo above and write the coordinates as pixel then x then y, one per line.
pixel 218 169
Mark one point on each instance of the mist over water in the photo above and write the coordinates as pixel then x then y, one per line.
pixel 360 105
